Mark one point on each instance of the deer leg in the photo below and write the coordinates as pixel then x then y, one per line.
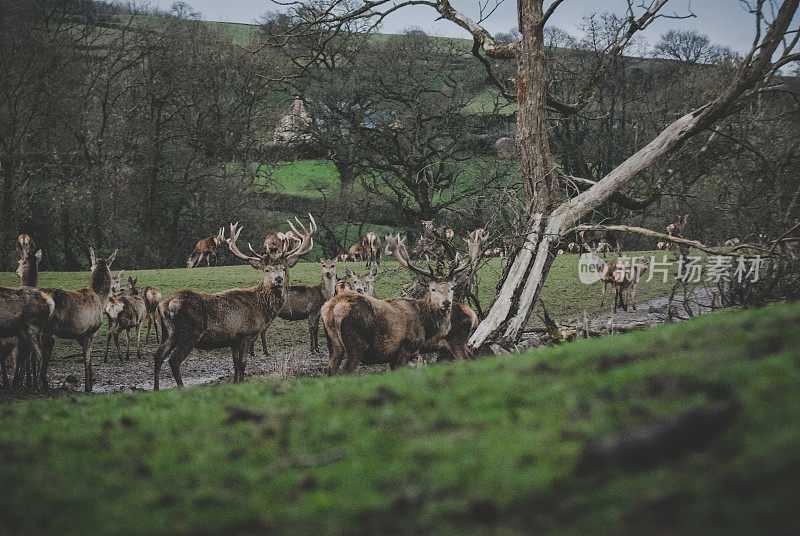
pixel 633 296
pixel 3 356
pixel 47 351
pixel 86 343
pixel 116 342
pixel 264 349
pixel 147 337
pixel 313 332
pixel 127 343
pixel 164 349
pixel 20 366
pixel 139 340
pixel 108 343
pixel 603 295
pixel 242 350
pixel 175 360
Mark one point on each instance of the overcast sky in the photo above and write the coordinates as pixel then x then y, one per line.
pixel 724 21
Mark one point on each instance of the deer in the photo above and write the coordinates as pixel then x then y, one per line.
pixel 362 283
pixel 429 248
pixel 440 233
pixel 78 314
pixel 126 310
pixel 372 248
pixel 305 301
pixel 232 318
pixel 676 228
pixel 733 242
pixel 356 252
pixel 152 297
pixel 28 272
pixel 592 238
pixel 276 244
pixel 363 329
pixel 621 274
pixel 22 241
pixel 205 248
pixel 342 286
pixel 572 247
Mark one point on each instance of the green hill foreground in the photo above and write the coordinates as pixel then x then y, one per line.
pixel 689 428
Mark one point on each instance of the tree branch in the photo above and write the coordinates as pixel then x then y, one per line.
pixel 727 251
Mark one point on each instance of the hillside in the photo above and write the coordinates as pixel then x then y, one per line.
pixel 690 428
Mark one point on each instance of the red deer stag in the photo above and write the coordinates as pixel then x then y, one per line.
pixel 126 310
pixel 205 248
pixel 79 314
pixel 232 318
pixel 304 302
pixel 372 248
pixel 362 329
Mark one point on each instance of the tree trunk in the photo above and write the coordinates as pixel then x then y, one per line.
pixel 530 265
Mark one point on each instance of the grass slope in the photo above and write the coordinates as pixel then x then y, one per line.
pixel 498 445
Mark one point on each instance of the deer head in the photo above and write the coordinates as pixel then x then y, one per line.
pixel 363 284
pixel 440 288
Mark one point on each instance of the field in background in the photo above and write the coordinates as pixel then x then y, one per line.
pixel 530 443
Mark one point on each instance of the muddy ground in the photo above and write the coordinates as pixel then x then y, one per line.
pixel 287 359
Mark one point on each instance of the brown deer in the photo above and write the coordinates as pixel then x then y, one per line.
pixel 676 228
pixel 28 272
pixel 428 248
pixel 621 275
pixel 205 248
pixel 232 318
pixel 126 310
pixel 304 302
pixel 362 329
pixel 276 244
pixel 440 233
pixel 372 248
pixel 362 283
pixel 342 286
pixel 22 241
pixel 591 239
pixel 79 314
pixel 356 252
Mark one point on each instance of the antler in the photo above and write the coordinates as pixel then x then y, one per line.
pixel 475 244
pixel 231 241
pixel 306 240
pixel 396 247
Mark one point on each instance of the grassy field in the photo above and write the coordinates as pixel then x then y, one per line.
pixel 689 428
pixel 564 296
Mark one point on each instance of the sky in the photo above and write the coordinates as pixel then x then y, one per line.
pixel 725 21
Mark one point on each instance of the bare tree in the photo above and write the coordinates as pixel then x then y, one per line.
pixel 551 210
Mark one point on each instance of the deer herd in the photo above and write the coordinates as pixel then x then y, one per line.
pixel 359 327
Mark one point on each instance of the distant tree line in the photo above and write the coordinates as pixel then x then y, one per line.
pixel 147 131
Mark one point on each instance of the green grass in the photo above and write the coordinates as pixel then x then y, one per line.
pixel 303 177
pixel 493 446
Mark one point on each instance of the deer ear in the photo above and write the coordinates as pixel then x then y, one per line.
pixel 258 264
pixel 38 256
